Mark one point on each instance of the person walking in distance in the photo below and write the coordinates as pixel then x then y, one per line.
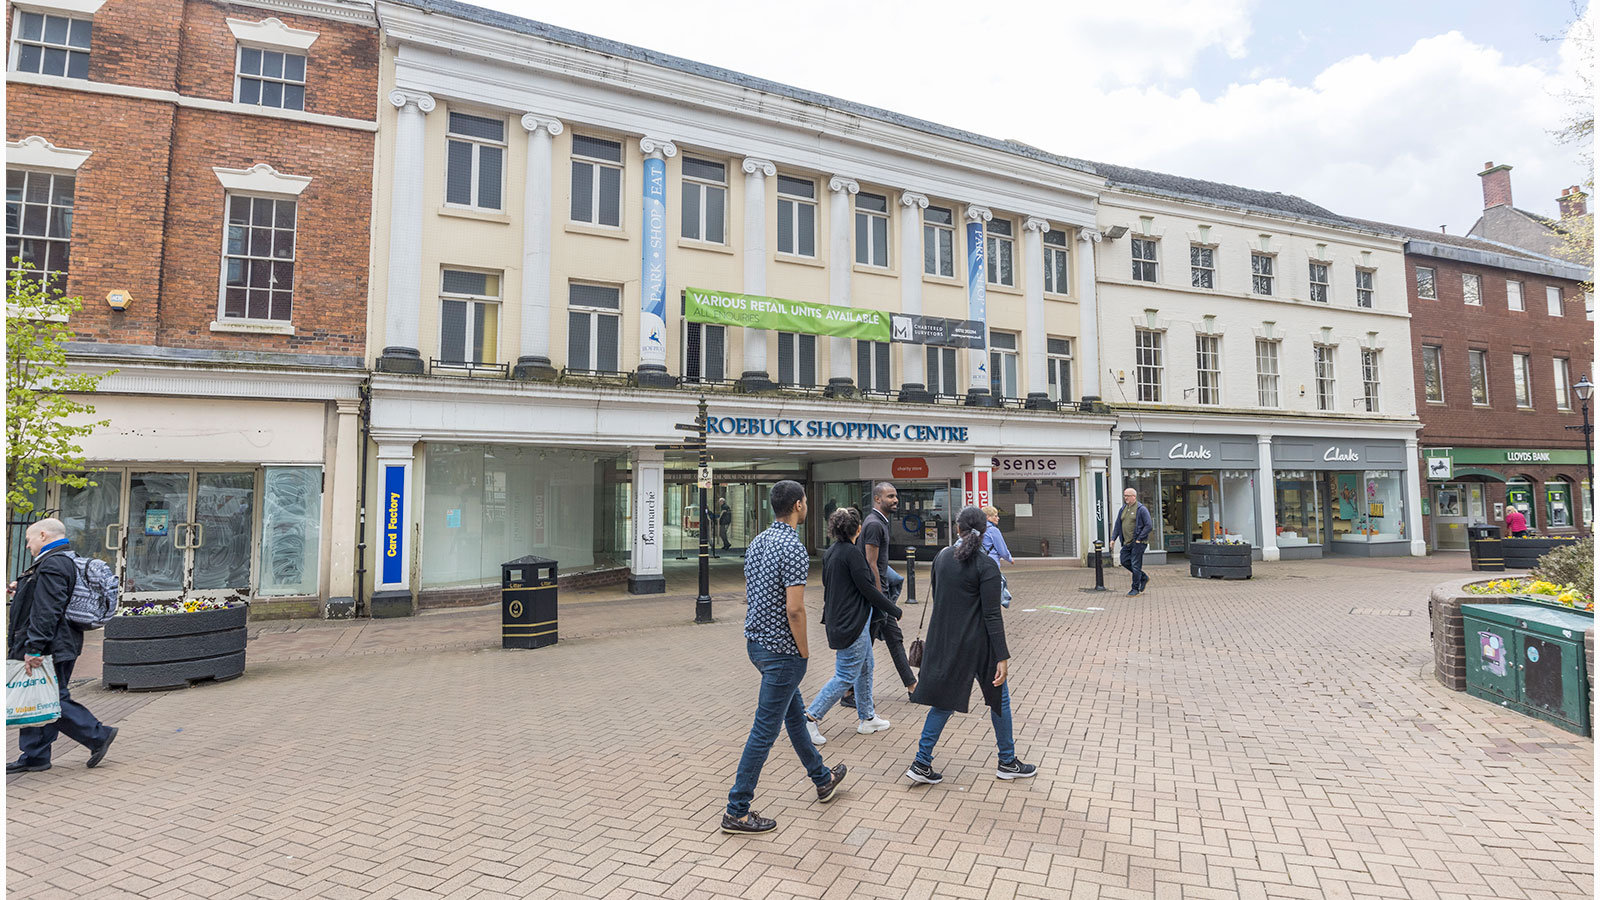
pixel 994 546
pixel 1516 522
pixel 775 570
pixel 724 522
pixel 1133 527
pixel 966 642
pixel 874 543
pixel 850 599
pixel 39 627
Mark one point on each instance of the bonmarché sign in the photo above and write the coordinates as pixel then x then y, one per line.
pixel 751 311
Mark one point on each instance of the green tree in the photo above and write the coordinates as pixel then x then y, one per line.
pixel 43 418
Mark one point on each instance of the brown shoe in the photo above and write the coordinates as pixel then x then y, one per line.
pixel 826 792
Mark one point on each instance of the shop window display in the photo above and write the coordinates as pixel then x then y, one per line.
pixel 1297 499
pixel 1239 506
pixel 1367 507
pixel 1189 506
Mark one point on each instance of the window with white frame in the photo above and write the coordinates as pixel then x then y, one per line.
pixel 1522 378
pixel 1319 282
pixel 39 224
pixel 1371 380
pixel 1478 372
pixel 258 258
pixel 596 181
pixel 1208 369
pixel 1055 262
pixel 1364 288
pixel 797 359
pixel 705 200
pixel 1433 373
pixel 274 78
pixel 47 44
pixel 1471 289
pixel 1002 364
pixel 469 317
pixel 1563 383
pixel 1058 366
pixel 1202 267
pixel 1144 259
pixel 1261 273
pixel 594 324
pixel 1147 368
pixel 939 242
pixel 872 230
pixel 1266 373
pixel 1552 300
pixel 705 352
pixel 872 366
pixel 1427 288
pixel 475 153
pixel 1326 377
pixel 1514 300
pixel 942 371
pixel 1001 249
pixel 797 216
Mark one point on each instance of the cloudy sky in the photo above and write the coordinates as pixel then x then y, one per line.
pixel 1382 109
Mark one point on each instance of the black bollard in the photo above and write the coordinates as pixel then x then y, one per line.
pixel 1099 566
pixel 911 575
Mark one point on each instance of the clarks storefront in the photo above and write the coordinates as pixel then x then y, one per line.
pixel 1346 497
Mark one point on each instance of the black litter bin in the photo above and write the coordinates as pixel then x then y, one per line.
pixel 528 603
pixel 1483 545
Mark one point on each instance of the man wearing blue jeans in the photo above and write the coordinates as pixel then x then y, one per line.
pixel 775 568
pixel 1132 526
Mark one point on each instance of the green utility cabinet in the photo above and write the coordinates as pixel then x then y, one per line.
pixel 1529 658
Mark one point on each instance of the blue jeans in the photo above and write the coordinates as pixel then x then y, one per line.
pixel 852 670
pixel 934 726
pixel 779 703
pixel 1133 561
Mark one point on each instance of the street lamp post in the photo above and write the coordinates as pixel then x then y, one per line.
pixel 1583 389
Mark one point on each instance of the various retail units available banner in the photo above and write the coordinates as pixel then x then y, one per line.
pixel 803 317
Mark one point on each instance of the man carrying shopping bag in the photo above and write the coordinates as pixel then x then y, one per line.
pixel 39 628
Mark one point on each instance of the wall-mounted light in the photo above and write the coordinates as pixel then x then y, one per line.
pixel 1121 376
pixel 119 300
pixel 1115 232
pixel 1302 390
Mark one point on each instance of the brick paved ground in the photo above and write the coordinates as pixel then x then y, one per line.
pixel 1209 740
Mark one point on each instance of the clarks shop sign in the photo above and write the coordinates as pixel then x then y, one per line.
pixel 750 426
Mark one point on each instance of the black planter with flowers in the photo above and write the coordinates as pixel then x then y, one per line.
pixel 1216 559
pixel 151 651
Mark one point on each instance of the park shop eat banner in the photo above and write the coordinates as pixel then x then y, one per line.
pixel 798 316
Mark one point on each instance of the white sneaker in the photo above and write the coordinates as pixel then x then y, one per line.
pixel 868 726
pixel 816 733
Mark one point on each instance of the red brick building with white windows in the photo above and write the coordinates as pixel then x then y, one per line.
pixel 212 163
pixel 1500 335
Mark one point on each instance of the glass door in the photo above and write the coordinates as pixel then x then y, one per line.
pixel 219 541
pixel 93 516
pixel 158 529
pixel 1202 513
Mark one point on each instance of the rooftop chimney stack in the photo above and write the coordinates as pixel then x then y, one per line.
pixel 1496 185
pixel 1573 202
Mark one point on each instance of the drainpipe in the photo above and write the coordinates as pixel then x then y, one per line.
pixel 361 500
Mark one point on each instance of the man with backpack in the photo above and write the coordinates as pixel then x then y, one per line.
pixel 40 627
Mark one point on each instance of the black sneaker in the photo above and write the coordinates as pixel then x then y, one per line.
pixel 100 751
pixel 750 824
pixel 924 774
pixel 826 792
pixel 1009 771
pixel 18 765
pixel 848 700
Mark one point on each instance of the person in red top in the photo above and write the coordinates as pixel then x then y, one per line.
pixel 1516 522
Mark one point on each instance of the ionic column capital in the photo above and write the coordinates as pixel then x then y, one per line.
pixel 658 147
pixel 532 123
pixel 1034 223
pixel 979 213
pixel 841 183
pixel 401 98
pixel 759 167
pixel 912 198
pixel 1090 236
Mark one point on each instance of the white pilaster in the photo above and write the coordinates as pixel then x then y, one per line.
pixel 1088 349
pixel 840 266
pixel 649 516
pixel 756 173
pixel 396 513
pixel 533 360
pixel 1033 230
pixel 1413 489
pixel 401 337
pixel 912 356
pixel 1266 490
pixel 344 487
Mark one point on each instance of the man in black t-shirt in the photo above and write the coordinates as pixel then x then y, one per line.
pixel 874 542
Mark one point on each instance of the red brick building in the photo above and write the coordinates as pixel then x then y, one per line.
pixel 1500 336
pixel 212 162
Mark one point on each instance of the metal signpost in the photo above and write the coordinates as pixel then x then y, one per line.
pixel 702 603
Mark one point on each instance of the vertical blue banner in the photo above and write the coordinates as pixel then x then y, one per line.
pixel 394 517
pixel 978 301
pixel 653 283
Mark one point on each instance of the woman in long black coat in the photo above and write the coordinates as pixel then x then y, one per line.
pixel 966 643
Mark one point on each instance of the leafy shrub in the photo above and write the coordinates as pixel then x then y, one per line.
pixel 1572 565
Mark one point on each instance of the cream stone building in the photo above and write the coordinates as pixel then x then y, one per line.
pixel 545 199
pixel 1257 348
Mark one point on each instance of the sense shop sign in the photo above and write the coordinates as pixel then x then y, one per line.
pixel 1033 467
pixel 833 429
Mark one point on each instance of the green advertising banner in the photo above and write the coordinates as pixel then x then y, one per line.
pixel 749 311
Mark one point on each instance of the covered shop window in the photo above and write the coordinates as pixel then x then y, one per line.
pixel 1039 517
pixel 1558 504
pixel 1239 506
pixel 291 525
pixel 1298 503
pixel 484 504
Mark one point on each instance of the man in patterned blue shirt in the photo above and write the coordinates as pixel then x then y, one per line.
pixel 775 568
